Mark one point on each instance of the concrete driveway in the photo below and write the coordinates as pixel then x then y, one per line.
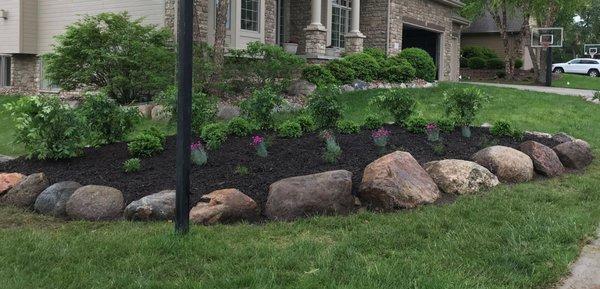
pixel 583 93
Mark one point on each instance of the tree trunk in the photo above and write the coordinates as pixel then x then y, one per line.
pixel 220 35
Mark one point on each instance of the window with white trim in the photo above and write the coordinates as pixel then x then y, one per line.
pixel 341 17
pixel 250 15
pixel 5 67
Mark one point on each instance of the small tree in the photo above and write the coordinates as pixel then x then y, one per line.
pixel 112 52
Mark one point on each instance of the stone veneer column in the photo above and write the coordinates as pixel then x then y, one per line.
pixel 355 39
pixel 315 33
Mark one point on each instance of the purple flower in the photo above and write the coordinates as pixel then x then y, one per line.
pixel 381 133
pixel 197 146
pixel 431 127
pixel 257 140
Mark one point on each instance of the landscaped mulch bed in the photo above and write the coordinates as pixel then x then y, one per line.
pixel 287 158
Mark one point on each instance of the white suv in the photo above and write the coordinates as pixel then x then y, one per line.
pixel 587 66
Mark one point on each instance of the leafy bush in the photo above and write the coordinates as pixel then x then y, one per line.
pixel 145 145
pixel 378 54
pixel 373 121
pixel 400 71
pixel 153 131
pixel 495 63
pixel 318 74
pixel 324 106
pixel 446 124
pixel 259 106
pixel 204 107
pixel 241 127
pixel 342 70
pixel 132 165
pixel 519 63
pixel 596 95
pixel 214 135
pixel 126 59
pixel 464 62
pixel 204 66
pixel 366 66
pixel 421 61
pixel 307 122
pixel 477 63
pixel 47 128
pixel 289 129
pixel 399 102
pixel 416 124
pixel 462 105
pixel 261 65
pixel 106 121
pixel 478 51
pixel 505 129
pixel 501 74
pixel 347 127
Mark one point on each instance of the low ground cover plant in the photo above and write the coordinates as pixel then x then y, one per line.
pixel 332 150
pixel 132 165
pixel 198 154
pixel 462 105
pixel 214 135
pixel 398 102
pixel 318 74
pixel 241 127
pixel 290 129
pixel 373 121
pixel 347 127
pixel 324 106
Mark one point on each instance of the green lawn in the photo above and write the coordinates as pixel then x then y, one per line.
pixel 578 81
pixel 520 236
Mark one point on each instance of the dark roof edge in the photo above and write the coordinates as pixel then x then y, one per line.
pixel 461 20
pixel 452 3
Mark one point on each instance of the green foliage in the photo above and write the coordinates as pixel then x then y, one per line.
pixel 242 170
pixel 464 62
pixel 342 70
pixel 378 54
pixel 318 74
pixel 324 106
pixel 505 129
pixel 347 127
pixel 421 61
pixel 501 74
pixel 416 124
pixel 398 102
pixel 146 144
pixel 399 70
pixel 126 59
pixel 106 120
pixel 495 63
pixel 132 165
pixel 289 129
pixel 477 63
pixel 446 124
pixel 241 127
pixel 47 128
pixel 462 105
pixel 332 150
pixel 519 63
pixel 261 65
pixel 214 135
pixel 204 106
pixel 259 106
pixel 478 51
pixel 307 122
pixel 366 66
pixel 596 95
pixel 204 66
pixel 373 121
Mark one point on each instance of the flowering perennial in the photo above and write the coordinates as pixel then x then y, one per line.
pixel 433 132
pixel 198 154
pixel 261 147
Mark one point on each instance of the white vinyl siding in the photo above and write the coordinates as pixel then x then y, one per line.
pixel 10 28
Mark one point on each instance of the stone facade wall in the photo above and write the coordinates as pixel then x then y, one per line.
pixel 374 23
pixel 200 18
pixel 24 73
pixel 270 21
pixel 299 19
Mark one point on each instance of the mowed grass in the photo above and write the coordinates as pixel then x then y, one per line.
pixel 578 81
pixel 518 236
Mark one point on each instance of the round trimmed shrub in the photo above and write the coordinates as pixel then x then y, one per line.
pixel 416 124
pixel 519 63
pixel 307 123
pixel 341 70
pixel 399 71
pixel 377 53
pixel 421 61
pixel 214 135
pixel 240 126
pixel 495 63
pixel 373 121
pixel 318 74
pixel 464 62
pixel 365 65
pixel 347 127
pixel 478 51
pixel 477 63
pixel 289 129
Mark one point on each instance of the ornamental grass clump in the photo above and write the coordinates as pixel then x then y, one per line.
pixel 132 165
pixel 433 132
pixel 332 149
pixel 381 137
pixel 260 145
pixel 198 154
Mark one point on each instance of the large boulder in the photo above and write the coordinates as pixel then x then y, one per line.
pixel 53 200
pixel 508 164
pixel 460 177
pixel 545 160
pixel 8 181
pixel 95 203
pixel 325 193
pixel 224 206
pixel 562 137
pixel 575 154
pixel 5 159
pixel 155 207
pixel 26 192
pixel 397 181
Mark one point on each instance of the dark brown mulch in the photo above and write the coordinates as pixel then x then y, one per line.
pixel 287 158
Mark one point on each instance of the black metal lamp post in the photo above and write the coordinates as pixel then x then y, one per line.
pixel 185 31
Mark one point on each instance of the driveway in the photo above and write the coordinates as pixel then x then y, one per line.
pixel 583 93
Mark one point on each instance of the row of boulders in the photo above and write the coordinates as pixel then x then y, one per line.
pixel 394 181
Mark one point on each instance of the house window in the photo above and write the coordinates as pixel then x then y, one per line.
pixel 250 12
pixel 341 17
pixel 45 84
pixel 5 67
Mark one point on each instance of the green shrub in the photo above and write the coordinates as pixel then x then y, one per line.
pixel 519 63
pixel 477 63
pixel 446 124
pixel 398 102
pixel 126 59
pixel 478 51
pixel 204 107
pixel 400 71
pixel 366 66
pixel 307 122
pixel 204 66
pixel 318 74
pixel 289 129
pixel 106 121
pixel 378 54
pixel 47 128
pixel 495 63
pixel 505 129
pixel 416 124
pixel 596 95
pixel 132 165
pixel 154 131
pixel 259 106
pixel 324 106
pixel 347 127
pixel 501 74
pixel 373 121
pixel 463 104
pixel 145 145
pixel 421 61
pixel 342 70
pixel 214 135
pixel 464 62
pixel 240 126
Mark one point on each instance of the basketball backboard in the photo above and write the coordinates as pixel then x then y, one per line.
pixel 592 50
pixel 547 37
